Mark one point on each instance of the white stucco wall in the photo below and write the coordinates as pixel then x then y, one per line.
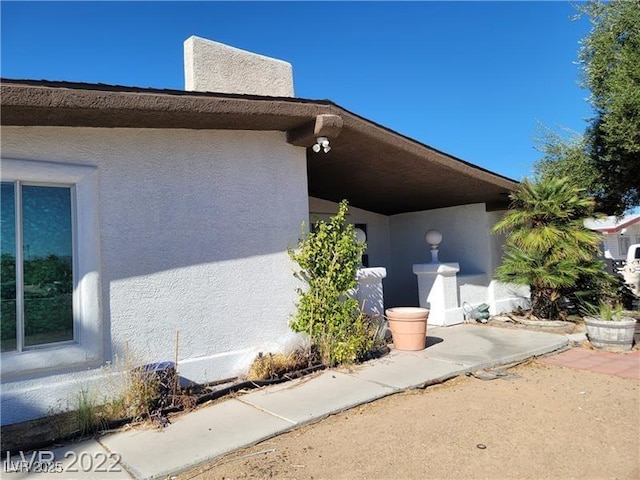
pixel 194 228
pixel 215 67
pixel 496 241
pixel 397 243
pixel 465 241
pixel 378 240
pixel 472 289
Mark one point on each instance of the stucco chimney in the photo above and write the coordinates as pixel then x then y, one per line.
pixel 214 67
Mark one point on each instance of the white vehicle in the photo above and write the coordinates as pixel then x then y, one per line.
pixel 631 270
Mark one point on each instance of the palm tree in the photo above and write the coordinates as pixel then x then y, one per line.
pixel 548 247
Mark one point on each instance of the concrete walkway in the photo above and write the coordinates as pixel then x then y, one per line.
pixel 247 419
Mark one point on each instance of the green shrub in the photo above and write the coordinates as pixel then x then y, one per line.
pixel 548 247
pixel 600 287
pixel 328 259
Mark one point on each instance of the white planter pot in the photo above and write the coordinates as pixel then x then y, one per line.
pixel 609 334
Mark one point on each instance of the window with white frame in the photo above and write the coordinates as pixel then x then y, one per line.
pixel 37 265
pixel 50 254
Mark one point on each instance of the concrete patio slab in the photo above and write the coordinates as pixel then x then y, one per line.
pixel 478 347
pixel 404 371
pixel 576 339
pixel 330 392
pixel 194 438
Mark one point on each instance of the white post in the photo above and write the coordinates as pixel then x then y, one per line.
pixel 438 291
pixel 438 286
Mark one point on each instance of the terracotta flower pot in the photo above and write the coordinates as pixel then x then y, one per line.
pixel 408 327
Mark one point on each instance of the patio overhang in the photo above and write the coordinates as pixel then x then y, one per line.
pixel 373 167
pixel 384 172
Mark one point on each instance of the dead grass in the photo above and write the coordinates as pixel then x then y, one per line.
pixel 274 365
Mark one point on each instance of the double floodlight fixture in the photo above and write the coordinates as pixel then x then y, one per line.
pixel 322 143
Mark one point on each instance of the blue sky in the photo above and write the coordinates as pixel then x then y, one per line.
pixel 474 79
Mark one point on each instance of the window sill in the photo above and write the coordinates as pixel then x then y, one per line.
pixel 64 356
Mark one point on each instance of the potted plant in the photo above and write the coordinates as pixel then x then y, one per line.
pixel 408 327
pixel 608 327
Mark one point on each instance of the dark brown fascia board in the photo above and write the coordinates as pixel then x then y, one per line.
pixel 29 104
pixel 421 150
pixel 47 103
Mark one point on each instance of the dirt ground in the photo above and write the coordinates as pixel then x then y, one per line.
pixel 540 422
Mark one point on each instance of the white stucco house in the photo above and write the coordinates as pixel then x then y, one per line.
pixel 167 211
pixel 618 234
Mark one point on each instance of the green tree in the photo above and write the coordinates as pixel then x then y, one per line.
pixel 566 156
pixel 547 246
pixel 329 258
pixel 610 60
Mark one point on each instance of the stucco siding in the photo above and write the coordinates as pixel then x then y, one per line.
pixel 465 240
pixel 214 67
pixel 496 241
pixel 194 227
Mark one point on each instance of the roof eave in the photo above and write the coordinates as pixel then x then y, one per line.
pixel 361 144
